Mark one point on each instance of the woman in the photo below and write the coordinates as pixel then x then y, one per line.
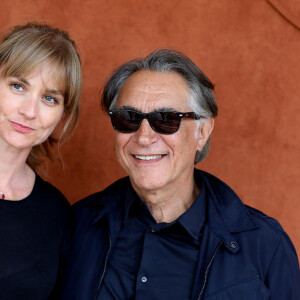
pixel 40 83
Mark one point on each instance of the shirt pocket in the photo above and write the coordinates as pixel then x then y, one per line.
pixel 251 289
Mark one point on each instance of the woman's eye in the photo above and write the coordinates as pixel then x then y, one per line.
pixel 50 100
pixel 18 87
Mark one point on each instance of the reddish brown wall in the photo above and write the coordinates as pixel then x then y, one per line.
pixel 248 48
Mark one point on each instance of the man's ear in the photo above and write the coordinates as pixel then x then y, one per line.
pixel 204 132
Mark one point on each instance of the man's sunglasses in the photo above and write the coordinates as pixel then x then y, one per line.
pixel 164 122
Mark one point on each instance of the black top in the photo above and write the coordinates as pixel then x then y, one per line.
pixel 149 259
pixel 34 239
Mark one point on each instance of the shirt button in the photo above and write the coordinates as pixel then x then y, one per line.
pixel 233 245
pixel 144 279
pixel 152 230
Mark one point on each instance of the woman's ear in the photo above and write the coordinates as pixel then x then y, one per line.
pixel 204 131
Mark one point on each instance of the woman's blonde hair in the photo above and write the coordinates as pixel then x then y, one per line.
pixel 28 46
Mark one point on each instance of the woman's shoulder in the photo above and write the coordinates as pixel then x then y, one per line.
pixel 49 194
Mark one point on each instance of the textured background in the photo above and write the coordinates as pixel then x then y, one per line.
pixel 249 49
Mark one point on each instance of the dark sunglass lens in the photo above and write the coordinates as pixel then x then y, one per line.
pixel 126 121
pixel 165 122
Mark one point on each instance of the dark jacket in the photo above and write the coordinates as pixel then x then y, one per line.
pixel 243 255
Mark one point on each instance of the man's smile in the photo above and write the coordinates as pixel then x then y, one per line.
pixel 149 157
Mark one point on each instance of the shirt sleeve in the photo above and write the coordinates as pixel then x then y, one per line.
pixel 283 276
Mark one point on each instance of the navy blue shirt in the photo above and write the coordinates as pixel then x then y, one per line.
pixel 150 259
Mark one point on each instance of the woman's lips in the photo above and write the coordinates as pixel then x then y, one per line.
pixel 21 128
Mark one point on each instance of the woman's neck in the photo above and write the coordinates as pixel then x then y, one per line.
pixel 12 162
pixel 16 178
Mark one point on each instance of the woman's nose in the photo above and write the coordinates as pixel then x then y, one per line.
pixel 28 107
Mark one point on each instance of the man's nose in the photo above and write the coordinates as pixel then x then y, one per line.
pixel 145 135
pixel 29 107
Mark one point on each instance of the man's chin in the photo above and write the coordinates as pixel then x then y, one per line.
pixel 147 183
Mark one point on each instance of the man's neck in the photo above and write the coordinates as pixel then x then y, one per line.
pixel 167 204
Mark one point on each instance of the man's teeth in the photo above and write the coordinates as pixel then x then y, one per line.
pixel 147 157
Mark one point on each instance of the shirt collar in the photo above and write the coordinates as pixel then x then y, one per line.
pixel 193 219
pixel 132 202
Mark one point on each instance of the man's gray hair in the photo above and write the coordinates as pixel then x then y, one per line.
pixel 202 99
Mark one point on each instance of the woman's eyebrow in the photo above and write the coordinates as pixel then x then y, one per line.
pixel 22 80
pixel 55 92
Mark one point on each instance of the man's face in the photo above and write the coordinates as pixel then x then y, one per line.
pixel 156 161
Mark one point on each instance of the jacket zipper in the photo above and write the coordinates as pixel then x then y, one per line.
pixel 105 264
pixel 207 269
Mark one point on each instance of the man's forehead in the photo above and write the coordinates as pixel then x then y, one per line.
pixel 163 90
pixel 149 77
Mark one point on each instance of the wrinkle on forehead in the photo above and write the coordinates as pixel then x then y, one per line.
pixel 151 90
pixel 158 109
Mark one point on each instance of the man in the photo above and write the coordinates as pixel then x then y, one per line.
pixel 169 231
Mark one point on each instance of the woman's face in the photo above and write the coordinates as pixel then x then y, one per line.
pixel 30 108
